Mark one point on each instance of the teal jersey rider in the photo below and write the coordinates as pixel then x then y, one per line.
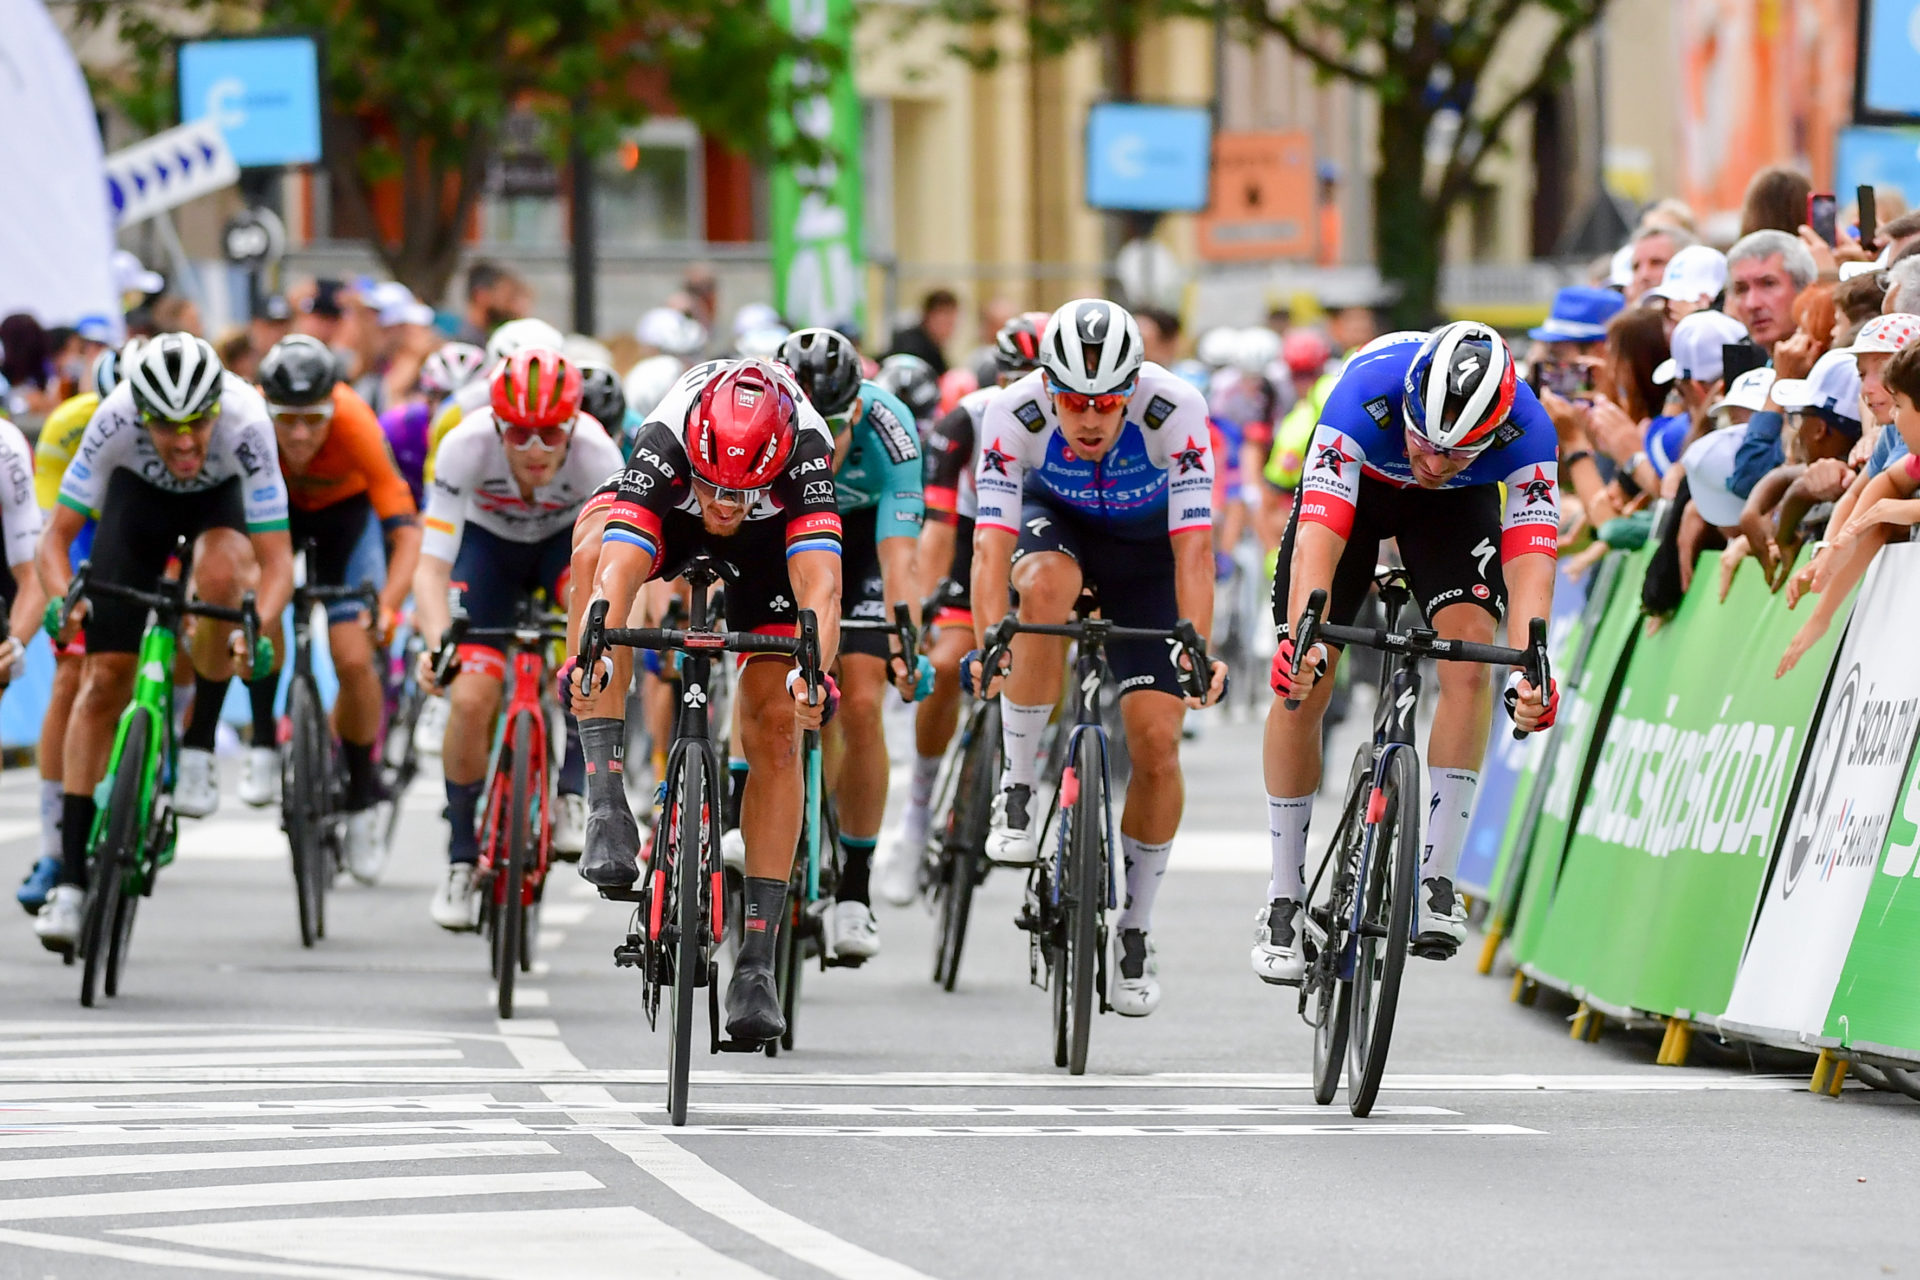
pixel 881 465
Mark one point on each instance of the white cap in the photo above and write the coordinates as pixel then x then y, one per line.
pixel 582 349
pixel 1620 271
pixel 1848 270
pixel 1833 384
pixel 1709 466
pixel 755 317
pixel 131 276
pixel 1884 335
pixel 673 332
pixel 411 311
pixel 1697 340
pixel 1697 271
pixel 1749 391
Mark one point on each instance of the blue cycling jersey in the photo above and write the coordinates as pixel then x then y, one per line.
pixel 882 465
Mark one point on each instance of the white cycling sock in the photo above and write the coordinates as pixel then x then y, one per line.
pixel 1020 730
pixel 50 806
pixel 1447 820
pixel 1287 819
pixel 1146 864
pixel 925 770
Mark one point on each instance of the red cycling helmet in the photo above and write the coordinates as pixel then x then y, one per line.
pixel 1305 352
pixel 536 388
pixel 740 427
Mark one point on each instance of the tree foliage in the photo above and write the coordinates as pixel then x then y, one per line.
pixel 1417 58
pixel 419 90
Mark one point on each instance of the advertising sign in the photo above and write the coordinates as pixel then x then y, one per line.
pixel 1147 158
pixel 262 92
pixel 815 209
pixel 167 170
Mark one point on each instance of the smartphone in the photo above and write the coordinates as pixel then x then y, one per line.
pixel 1869 217
pixel 1737 358
pixel 1822 214
pixel 1570 380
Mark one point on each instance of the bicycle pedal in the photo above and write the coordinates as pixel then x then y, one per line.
pixel 848 962
pixel 1430 948
pixel 629 954
pixel 622 895
pixel 1029 921
pixel 744 1046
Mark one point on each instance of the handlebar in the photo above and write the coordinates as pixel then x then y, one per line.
pixel 1195 678
pixel 596 637
pixel 900 629
pixel 170 603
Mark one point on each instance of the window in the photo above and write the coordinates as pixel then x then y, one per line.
pixel 651 189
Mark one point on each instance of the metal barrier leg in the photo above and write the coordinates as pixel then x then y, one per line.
pixel 1489 949
pixel 1675 1044
pixel 1829 1074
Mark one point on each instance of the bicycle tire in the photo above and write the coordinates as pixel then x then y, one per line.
pixel 789 962
pixel 1393 882
pixel 511 920
pixel 304 810
pixel 119 849
pixel 690 817
pixel 398 769
pixel 125 906
pixel 1336 997
pixel 964 841
pixel 1087 887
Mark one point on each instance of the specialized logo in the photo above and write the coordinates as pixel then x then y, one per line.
pixel 1464 372
pixel 1038 524
pixel 1483 554
pixel 1159 409
pixel 1191 457
pixel 1031 415
pixel 1090 689
pixel 1092 322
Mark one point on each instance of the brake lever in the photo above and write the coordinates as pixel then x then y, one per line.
pixel 903 634
pixel 593 636
pixel 808 629
pixel 1306 634
pixel 449 653
pixel 250 629
pixel 1198 677
pixel 1539 673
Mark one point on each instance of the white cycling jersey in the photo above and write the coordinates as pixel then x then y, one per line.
pixel 19 513
pixel 472 482
pixel 242 446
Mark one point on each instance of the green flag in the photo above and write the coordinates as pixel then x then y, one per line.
pixel 815 208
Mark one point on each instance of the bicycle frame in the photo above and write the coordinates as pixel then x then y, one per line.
pixel 153 690
pixel 529 675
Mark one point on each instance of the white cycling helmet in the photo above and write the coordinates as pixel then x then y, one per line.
pixel 1091 346
pixel 756 317
pixel 1217 346
pixel 674 332
pixel 451 367
pixel 515 336
pixel 176 378
pixel 649 381
pixel 1460 386
pixel 762 344
pixel 583 350
pixel 1255 349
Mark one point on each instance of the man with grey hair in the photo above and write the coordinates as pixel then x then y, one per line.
pixel 1903 286
pixel 1654 247
pixel 1765 273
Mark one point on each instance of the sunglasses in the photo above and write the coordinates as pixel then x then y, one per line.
pixel 728 497
pixel 1075 402
pixel 190 426
pixel 521 439
pixel 309 419
pixel 1420 443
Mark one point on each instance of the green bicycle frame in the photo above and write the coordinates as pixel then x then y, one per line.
pixel 153 690
pixel 813 815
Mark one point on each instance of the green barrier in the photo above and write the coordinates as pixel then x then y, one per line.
pixel 1876 1004
pixel 1541 860
pixel 1691 779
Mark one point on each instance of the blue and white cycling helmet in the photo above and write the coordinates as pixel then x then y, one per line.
pixel 1460 387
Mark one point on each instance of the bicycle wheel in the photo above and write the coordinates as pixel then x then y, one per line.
pixel 1086 892
pixel 1332 908
pixel 307 760
pixel 119 849
pixel 399 758
pixel 689 828
pixel 1386 921
pixel 964 841
pixel 789 962
pixel 510 922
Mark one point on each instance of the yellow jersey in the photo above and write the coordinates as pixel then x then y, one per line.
pixel 59 441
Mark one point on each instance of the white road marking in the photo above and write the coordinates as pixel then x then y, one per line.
pixel 232 840
pixel 18 1116
pixel 183 1161
pixel 523 997
pixel 147 1256
pixel 485 1104
pixel 580 1244
pixel 1356 1128
pixel 61 1138
pixel 248 1040
pixel 99 1068
pixel 548 940
pixel 32 1092
pixel 527 1026
pixel 18 829
pixel 119 1204
pixel 564 913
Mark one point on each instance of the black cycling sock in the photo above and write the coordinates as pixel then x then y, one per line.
pixel 76 824
pixel 463 802
pixel 262 693
pixel 573 765
pixel 856 869
pixel 363 781
pixel 603 744
pixel 766 904
pixel 204 720
pixel 736 787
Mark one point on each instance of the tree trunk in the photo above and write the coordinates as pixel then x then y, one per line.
pixel 1408 228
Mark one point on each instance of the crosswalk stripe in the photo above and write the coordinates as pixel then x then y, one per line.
pixel 63 1138
pixel 148 1256
pixel 1348 1128
pixel 184 1161
pixel 106 1044
pixel 95 1066
pixel 565 913
pixel 117 1204
pixel 60 1112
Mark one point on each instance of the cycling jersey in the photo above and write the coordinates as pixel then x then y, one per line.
pixel 353 460
pixel 474 483
pixel 882 466
pixel 1362 432
pixel 1158 474
pixel 1294 436
pixel 948 477
pixel 19 513
pixel 407 428
pixel 657 485
pixel 242 447
pixel 54 449
pixel 455 409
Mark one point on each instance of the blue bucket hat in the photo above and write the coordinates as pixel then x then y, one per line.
pixel 1579 314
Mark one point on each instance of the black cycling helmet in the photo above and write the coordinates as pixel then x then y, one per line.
pixel 914 381
pixel 602 396
pixel 827 366
pixel 298 371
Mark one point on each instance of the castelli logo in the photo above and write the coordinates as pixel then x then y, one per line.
pixel 1480 591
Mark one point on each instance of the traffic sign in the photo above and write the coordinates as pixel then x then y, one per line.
pixel 1149 274
pixel 168 170
pixel 254 238
pixel 1262 204
pixel 263 92
pixel 1147 158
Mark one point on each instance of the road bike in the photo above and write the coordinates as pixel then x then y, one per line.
pixel 680 900
pixel 404 698
pixel 313 785
pixel 956 862
pixel 516 834
pixel 1069 894
pixel 1357 929
pixel 135 827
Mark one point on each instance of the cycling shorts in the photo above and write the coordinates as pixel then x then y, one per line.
pixel 348 549
pixel 138 527
pixel 954 605
pixel 1449 541
pixel 752 562
pixel 1131 578
pixel 494 576
pixel 863 594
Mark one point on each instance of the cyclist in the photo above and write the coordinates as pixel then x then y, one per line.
pixel 733 463
pixel 946 571
pixel 52 452
pixel 348 500
pixel 1413 444
pixel 876 477
pixel 912 382
pixel 181 448
pixel 499 513
pixel 509 340
pixel 408 426
pixel 1096 470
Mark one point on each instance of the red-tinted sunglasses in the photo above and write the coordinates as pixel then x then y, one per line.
pixel 521 439
pixel 1075 402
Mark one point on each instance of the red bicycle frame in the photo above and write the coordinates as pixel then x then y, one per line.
pixel 529 678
